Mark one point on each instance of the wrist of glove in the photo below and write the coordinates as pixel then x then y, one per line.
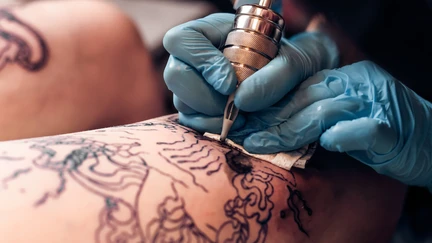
pixel 410 160
pixel 359 109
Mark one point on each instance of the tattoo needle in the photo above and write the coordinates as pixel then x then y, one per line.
pixel 252 43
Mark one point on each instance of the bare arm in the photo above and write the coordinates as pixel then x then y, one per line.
pixel 157 181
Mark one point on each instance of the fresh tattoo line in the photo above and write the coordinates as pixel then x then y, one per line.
pixel 14 176
pixel 293 194
pixel 16 49
pixel 247 213
pixel 173 223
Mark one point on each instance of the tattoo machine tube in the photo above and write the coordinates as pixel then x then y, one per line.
pixel 251 44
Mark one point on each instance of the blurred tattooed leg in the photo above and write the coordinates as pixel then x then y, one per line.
pixel 72 66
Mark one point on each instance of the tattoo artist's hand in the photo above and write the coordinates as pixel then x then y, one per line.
pixel 359 109
pixel 201 78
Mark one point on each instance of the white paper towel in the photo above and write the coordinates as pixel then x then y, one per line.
pixel 285 160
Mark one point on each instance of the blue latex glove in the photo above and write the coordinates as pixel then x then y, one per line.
pixel 359 109
pixel 201 77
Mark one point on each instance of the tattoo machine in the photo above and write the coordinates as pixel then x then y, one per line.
pixel 252 43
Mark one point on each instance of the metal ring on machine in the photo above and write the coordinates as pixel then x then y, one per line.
pixel 259 25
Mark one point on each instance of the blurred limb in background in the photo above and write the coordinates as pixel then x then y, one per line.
pixel 63 68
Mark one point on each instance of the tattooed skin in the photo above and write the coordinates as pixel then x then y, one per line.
pixel 127 168
pixel 16 47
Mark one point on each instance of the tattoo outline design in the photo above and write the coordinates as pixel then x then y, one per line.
pixel 252 207
pixel 14 44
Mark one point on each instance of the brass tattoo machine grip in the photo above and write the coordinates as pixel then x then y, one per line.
pixel 251 44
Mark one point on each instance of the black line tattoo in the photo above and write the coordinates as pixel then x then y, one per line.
pixel 184 148
pixel 292 206
pixel 4 158
pixel 185 171
pixel 239 207
pixel 15 48
pixel 173 143
pixel 129 138
pixel 15 175
pixel 211 172
pixel 215 161
pixel 197 159
pixel 173 223
pixel 248 212
pixel 191 153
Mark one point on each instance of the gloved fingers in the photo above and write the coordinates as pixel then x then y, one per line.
pixel 360 134
pixel 318 87
pixel 321 86
pixel 190 88
pixel 266 86
pixel 197 43
pixel 182 107
pixel 306 126
pixel 299 58
pixel 212 124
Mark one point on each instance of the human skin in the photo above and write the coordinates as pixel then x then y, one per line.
pixel 157 181
pixel 68 66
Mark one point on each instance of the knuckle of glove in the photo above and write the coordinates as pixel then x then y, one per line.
pixel 171 74
pixel 220 74
pixel 171 38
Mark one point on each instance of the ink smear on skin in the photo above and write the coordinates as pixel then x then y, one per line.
pixel 236 160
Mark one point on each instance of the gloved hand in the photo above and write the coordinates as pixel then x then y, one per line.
pixel 359 109
pixel 201 78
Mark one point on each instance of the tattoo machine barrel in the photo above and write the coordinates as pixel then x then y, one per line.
pixel 251 44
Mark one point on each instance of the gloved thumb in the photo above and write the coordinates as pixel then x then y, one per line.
pixel 363 134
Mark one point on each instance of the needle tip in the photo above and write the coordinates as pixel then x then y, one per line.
pixel 225 129
pixel 223 135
